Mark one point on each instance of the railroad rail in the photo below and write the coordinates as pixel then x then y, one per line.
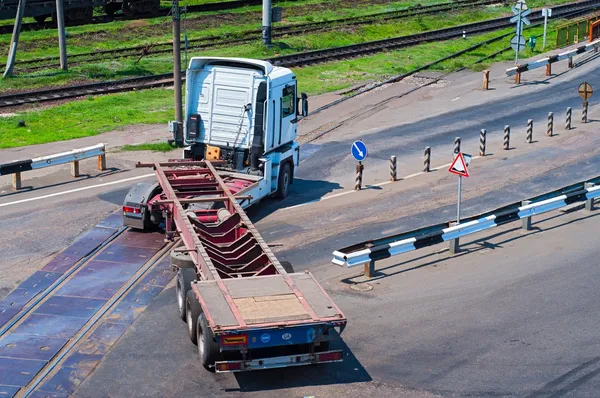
pixel 217 6
pixel 299 59
pixel 73 300
pixel 251 35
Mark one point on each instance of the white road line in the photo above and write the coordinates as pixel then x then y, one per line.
pixel 76 190
pixel 337 195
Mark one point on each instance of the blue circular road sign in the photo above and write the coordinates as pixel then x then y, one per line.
pixel 359 150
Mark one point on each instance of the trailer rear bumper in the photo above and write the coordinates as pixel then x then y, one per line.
pixel 279 362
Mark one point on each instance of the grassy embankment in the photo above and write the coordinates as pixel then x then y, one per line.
pixel 107 113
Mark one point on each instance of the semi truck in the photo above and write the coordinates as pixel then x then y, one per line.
pixel 243 308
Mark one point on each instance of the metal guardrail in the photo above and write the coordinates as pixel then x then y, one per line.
pixel 517 70
pixel 367 253
pixel 72 156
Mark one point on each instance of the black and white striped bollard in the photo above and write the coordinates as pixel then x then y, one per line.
pixel 584 112
pixel 427 160
pixel 359 174
pixel 550 130
pixel 506 139
pixel 529 136
pixel 568 119
pixel 457 145
pixel 482 139
pixel 393 168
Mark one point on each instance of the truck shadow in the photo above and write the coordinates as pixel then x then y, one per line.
pixel 348 371
pixel 302 191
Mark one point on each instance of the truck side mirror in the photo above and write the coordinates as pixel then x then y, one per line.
pixel 304 104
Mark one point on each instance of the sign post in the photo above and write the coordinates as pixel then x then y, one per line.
pixel 459 167
pixel 517 42
pixel 546 12
pixel 359 152
pixel 585 91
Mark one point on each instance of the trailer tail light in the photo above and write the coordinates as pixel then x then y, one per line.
pixel 228 366
pixel 236 339
pixel 329 356
pixel 134 210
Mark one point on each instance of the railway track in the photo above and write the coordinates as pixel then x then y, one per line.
pixel 251 35
pixel 96 294
pixel 220 6
pixel 299 59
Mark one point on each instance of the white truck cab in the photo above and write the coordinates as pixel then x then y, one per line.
pixel 245 112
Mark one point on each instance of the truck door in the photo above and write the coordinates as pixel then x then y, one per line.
pixel 287 114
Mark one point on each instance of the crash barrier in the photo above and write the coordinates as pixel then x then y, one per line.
pixel 367 253
pixel 574 32
pixel 73 157
pixel 517 70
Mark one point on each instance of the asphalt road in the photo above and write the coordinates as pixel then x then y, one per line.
pixel 515 318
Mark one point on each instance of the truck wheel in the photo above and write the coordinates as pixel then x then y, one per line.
pixel 285 178
pixel 181 260
pixel 185 277
pixel 207 346
pixel 193 311
pixel 287 266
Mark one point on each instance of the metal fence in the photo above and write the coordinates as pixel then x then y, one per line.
pixel 574 32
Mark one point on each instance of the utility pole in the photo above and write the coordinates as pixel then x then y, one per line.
pixel 62 43
pixel 266 23
pixel 12 54
pixel 177 72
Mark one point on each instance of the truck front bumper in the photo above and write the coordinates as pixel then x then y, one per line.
pixel 279 362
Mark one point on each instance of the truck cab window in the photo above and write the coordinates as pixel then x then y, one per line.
pixel 288 101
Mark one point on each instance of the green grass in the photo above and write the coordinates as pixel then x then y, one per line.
pixel 86 118
pixel 154 147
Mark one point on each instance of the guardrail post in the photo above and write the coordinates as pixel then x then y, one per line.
pixel 506 140
pixel 457 145
pixel 550 130
pixel 359 175
pixel 589 204
pixel 427 160
pixel 529 136
pixel 584 112
pixel 527 220
pixel 102 162
pixel 568 119
pixel 482 140
pixel 486 79
pixel 393 168
pixel 369 269
pixel 549 70
pixel 570 64
pixel 17 181
pixel 453 244
pixel 75 168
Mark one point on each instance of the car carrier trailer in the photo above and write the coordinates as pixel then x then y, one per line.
pixel 244 309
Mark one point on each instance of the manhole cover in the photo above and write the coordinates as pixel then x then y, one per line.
pixel 361 287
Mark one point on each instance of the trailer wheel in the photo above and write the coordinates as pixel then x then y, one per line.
pixel 193 311
pixel 207 346
pixel 284 181
pixel 287 266
pixel 185 277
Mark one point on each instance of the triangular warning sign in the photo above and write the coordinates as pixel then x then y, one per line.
pixel 459 166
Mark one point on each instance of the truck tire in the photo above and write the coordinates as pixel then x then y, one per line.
pixel 284 180
pixel 287 266
pixel 207 346
pixel 185 277
pixel 193 311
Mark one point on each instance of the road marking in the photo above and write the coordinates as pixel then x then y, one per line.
pixel 337 195
pixel 76 190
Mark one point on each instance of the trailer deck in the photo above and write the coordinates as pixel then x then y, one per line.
pixel 241 286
